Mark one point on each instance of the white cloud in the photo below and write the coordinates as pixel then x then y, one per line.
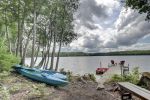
pixel 103 25
pixel 111 5
pixel 131 26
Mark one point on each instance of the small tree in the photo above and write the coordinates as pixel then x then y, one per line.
pixel 6 58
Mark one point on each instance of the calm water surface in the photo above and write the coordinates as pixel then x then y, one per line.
pixel 82 65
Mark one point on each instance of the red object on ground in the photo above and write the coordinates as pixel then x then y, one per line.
pixel 101 71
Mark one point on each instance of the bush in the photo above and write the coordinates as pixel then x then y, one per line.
pixel 132 77
pixel 116 78
pixel 92 77
pixel 70 75
pixel 6 59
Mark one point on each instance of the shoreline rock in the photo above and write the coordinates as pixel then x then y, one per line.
pixel 145 80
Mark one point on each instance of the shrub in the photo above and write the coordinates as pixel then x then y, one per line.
pixel 70 75
pixel 132 77
pixel 92 77
pixel 6 59
pixel 116 78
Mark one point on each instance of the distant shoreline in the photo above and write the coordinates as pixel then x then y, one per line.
pixel 105 55
pixel 118 53
pixel 95 55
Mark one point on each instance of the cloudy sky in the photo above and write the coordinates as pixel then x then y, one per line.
pixel 106 25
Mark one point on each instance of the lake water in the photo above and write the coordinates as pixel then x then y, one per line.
pixel 88 64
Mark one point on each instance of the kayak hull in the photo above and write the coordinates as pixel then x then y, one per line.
pixel 37 75
pixel 51 72
pixel 42 78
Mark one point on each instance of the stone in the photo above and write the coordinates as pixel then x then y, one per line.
pixel 100 86
pixel 145 80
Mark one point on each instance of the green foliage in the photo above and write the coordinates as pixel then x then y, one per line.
pixel 4 94
pixel 6 59
pixel 133 77
pixel 143 6
pixel 92 77
pixel 116 78
pixel 70 75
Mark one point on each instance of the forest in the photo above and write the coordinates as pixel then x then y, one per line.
pixel 117 53
pixel 35 26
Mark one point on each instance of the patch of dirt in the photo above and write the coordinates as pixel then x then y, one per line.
pixel 21 88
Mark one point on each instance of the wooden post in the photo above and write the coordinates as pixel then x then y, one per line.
pixel 100 64
pixel 120 67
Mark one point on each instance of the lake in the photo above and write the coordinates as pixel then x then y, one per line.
pixel 88 64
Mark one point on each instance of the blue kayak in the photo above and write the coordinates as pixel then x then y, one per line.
pixel 54 74
pixel 42 77
pixel 45 72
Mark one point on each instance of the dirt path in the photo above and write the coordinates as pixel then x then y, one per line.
pixel 85 91
pixel 21 88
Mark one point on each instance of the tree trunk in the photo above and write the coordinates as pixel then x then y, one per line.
pixel 21 40
pixel 9 42
pixel 45 60
pixel 53 53
pixel 37 54
pixel 60 44
pixel 43 57
pixel 54 40
pixel 25 50
pixel 6 32
pixel 57 62
pixel 33 42
pixel 42 61
pixel 18 36
pixel 49 43
pixel 48 53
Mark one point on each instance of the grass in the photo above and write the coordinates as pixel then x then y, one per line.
pixel 4 93
pixel 132 77
pixel 12 84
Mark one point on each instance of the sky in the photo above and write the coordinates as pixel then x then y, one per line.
pixel 106 26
